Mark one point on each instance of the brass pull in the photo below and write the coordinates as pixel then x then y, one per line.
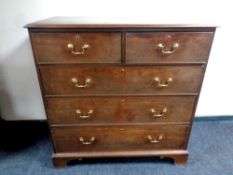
pixel 78 111
pixel 159 84
pixel 82 140
pixel 70 46
pixel 154 141
pixel 75 82
pixel 175 46
pixel 160 114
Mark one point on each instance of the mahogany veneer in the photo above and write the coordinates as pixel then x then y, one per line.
pixel 119 110
pixel 117 138
pixel 194 47
pixel 104 47
pixel 120 80
pixel 117 89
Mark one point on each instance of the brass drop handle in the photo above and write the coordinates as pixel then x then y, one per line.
pixel 159 84
pixel 79 113
pixel 70 46
pixel 156 140
pixel 158 114
pixel 75 82
pixel 82 141
pixel 175 46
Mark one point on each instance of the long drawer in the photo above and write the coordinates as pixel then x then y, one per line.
pixel 112 110
pixel 77 47
pixel 75 80
pixel 157 137
pixel 168 47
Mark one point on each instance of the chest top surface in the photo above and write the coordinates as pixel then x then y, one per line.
pixel 100 22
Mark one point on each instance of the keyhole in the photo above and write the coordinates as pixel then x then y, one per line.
pixel 77 37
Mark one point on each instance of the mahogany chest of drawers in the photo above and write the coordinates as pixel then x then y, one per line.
pixel 115 89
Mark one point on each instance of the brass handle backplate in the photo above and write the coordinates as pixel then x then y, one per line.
pixel 161 47
pixel 158 114
pixel 82 141
pixel 159 84
pixel 155 140
pixel 70 46
pixel 79 113
pixel 75 82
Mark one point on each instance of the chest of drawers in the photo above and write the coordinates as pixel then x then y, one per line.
pixel 117 89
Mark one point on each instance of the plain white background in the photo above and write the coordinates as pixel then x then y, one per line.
pixel 20 98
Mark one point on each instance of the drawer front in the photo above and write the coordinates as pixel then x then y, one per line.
pixel 87 47
pixel 94 110
pixel 78 139
pixel 72 80
pixel 168 47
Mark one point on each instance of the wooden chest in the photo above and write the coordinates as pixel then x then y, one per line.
pixel 114 89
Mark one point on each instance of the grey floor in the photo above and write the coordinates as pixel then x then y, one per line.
pixel 210 147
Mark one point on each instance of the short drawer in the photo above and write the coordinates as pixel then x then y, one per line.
pixel 168 47
pixel 158 137
pixel 73 80
pixel 112 110
pixel 77 47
